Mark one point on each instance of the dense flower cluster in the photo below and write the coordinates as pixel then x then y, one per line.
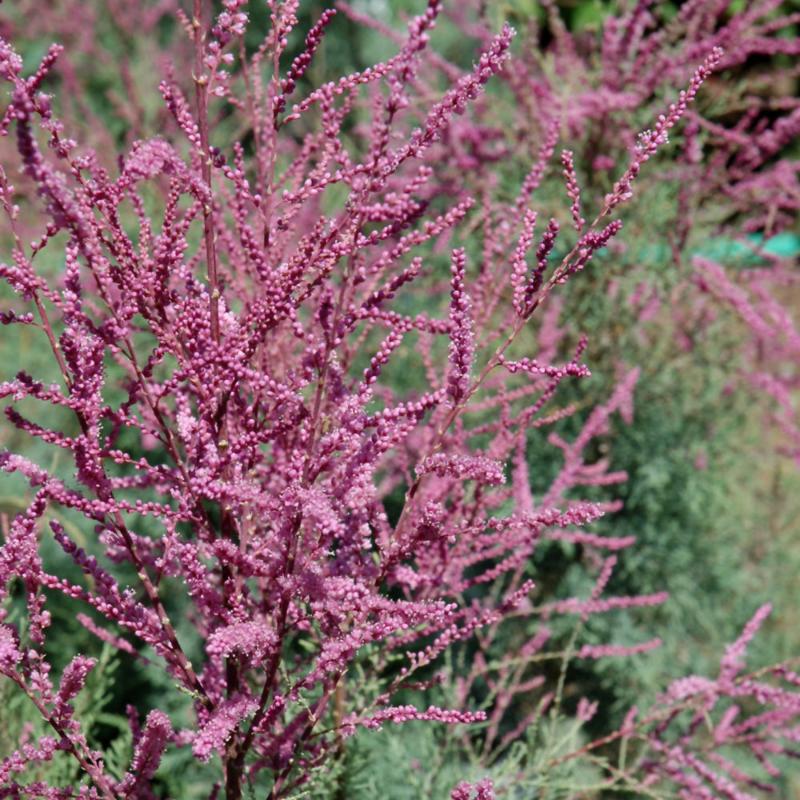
pixel 248 459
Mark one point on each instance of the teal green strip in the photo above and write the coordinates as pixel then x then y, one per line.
pixel 784 245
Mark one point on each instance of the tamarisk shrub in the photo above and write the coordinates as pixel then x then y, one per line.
pixel 688 744
pixel 603 85
pixel 769 365
pixel 223 318
pixel 730 185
